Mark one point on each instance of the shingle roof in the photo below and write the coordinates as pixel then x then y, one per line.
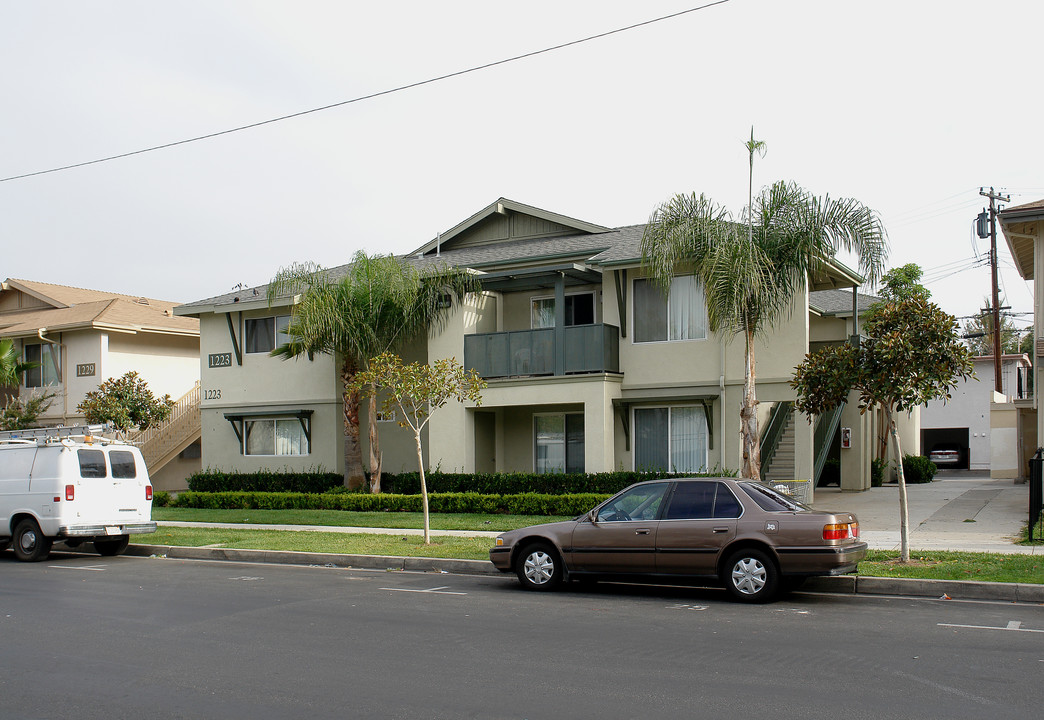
pixel 838 302
pixel 78 308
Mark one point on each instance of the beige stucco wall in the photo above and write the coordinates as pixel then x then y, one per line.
pixel 168 363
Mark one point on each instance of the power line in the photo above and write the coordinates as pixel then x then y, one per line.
pixel 400 88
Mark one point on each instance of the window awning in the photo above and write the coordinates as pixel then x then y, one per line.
pixel 303 415
pixel 663 396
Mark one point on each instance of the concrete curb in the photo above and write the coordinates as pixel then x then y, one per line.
pixel 292 557
pixel 841 584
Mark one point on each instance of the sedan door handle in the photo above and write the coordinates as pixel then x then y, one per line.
pixel 643 531
pixel 721 529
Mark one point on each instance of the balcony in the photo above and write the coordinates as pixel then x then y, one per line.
pixel 515 353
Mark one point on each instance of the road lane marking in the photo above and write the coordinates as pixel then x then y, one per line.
pixel 441 590
pixel 682 606
pixel 1014 625
pixel 95 568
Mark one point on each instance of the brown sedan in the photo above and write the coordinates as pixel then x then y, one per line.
pixel 752 539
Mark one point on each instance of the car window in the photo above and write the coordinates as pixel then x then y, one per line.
pixel 638 503
pixel 702 500
pixel 92 463
pixel 770 500
pixel 691 500
pixel 122 463
pixel 725 503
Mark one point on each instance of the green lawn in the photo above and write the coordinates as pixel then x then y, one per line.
pixel 342 518
pixel 325 542
pixel 986 567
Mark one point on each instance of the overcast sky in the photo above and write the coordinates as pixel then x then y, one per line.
pixel 907 105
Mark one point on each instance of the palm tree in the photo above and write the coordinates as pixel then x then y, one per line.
pixel 750 274
pixel 11 368
pixel 379 304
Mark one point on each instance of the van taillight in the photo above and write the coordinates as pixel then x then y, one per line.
pixel 70 492
pixel 148 492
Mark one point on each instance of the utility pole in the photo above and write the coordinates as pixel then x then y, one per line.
pixel 994 198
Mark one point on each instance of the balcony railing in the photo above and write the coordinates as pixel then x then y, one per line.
pixel 585 349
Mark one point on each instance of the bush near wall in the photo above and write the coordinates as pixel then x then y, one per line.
pixel 918 469
pixel 439 482
pixel 517 504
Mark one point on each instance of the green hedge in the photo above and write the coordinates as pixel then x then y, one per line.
pixel 440 482
pixel 264 481
pixel 519 504
pixel 918 469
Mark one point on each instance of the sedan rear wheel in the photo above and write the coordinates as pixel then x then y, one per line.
pixel 538 567
pixel 751 576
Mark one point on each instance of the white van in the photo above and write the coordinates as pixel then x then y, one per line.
pixel 71 485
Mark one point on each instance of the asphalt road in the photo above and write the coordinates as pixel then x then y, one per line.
pixel 89 637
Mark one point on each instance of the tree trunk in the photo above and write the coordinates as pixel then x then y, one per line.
pixel 424 487
pixel 375 448
pixel 749 418
pixel 354 475
pixel 904 506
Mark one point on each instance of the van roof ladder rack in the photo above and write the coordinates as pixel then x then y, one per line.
pixel 46 434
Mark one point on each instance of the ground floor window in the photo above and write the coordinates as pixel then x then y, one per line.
pixel 559 443
pixel 670 438
pixel 272 436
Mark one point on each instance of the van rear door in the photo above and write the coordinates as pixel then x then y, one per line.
pixel 111 489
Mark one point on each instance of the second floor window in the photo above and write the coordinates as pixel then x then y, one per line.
pixel 680 315
pixel 579 310
pixel 263 335
pixel 46 372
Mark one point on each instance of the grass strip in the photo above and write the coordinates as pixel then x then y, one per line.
pixel 325 542
pixel 944 565
pixel 343 518
pixel 985 567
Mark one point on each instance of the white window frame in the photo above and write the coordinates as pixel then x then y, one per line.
pixel 279 337
pixel 670 415
pixel 275 424
pixel 594 306
pixel 668 339
pixel 565 438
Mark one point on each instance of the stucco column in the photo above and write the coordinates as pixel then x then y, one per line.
pixel 855 468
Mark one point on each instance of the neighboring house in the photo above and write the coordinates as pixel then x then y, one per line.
pixel 963 421
pixel 80 338
pixel 1023 227
pixel 590 367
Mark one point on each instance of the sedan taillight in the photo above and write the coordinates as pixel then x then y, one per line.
pixel 840 531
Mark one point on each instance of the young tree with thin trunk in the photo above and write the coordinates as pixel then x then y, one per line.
pixel 417 390
pixel 913 354
pixel 380 303
pixel 750 275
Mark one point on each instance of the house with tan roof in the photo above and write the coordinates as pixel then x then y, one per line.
pixel 82 337
pixel 590 367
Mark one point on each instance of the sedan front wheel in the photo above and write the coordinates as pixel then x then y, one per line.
pixel 538 567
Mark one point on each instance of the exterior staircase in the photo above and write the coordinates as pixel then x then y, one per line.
pixel 781 465
pixel 162 443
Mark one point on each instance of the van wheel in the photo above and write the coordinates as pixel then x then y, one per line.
pixel 30 545
pixel 109 548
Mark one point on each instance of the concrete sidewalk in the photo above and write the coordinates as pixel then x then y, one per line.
pixel 958 511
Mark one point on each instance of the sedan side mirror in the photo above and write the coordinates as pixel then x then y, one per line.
pixel 592 516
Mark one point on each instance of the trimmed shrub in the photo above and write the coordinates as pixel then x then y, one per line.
pixel 918 469
pixel 264 481
pixel 522 504
pixel 877 471
pixel 160 498
pixel 439 482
